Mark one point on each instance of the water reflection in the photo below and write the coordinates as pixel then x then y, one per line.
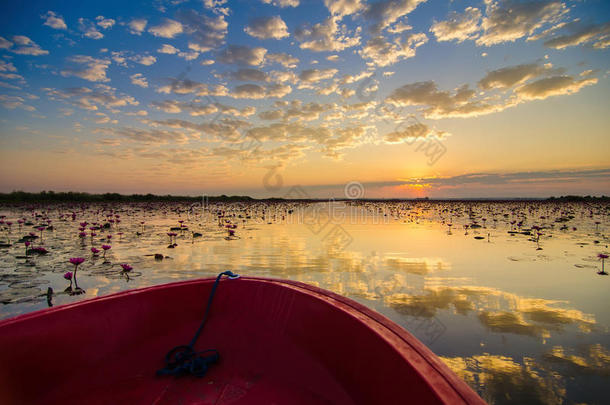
pixel 473 299
pixel 502 380
pixel 497 310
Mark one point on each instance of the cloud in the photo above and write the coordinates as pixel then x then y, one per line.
pixel 442 104
pixel 145 60
pixel 167 29
pixel 599 33
pixel 12 102
pixel 139 80
pixel 510 76
pixel 327 36
pixel 215 5
pixel 91 99
pixel 7 66
pixel 171 50
pixel 458 27
pixel 482 178
pixel 348 79
pixel 384 53
pixel 296 110
pixel 89 29
pixel 168 49
pixel 509 20
pixel 105 23
pixel 197 109
pixel 207 33
pixel 316 75
pixel 249 75
pixel 242 55
pixel 137 26
pixel 25 46
pixel 255 91
pixel 168 106
pixel 187 86
pixel 91 69
pixel 54 21
pixel 267 28
pixel 282 3
pixel 283 59
pixel 410 133
pixel 150 136
pixel 5 43
pixel 385 12
pixel 342 8
pixel 552 86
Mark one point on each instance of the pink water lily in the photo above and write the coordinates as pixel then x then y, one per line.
pixel 106 248
pixel 126 267
pixel 76 260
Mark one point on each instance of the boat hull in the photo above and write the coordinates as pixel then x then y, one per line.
pixel 281 342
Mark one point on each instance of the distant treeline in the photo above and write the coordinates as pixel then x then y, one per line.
pixel 71 196
pixel 577 198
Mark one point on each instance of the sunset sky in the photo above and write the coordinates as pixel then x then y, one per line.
pixel 410 98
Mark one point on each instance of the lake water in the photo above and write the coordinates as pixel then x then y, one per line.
pixel 521 317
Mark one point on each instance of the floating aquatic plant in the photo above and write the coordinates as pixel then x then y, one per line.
pixel 602 257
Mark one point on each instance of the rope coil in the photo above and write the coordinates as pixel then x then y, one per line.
pixel 182 359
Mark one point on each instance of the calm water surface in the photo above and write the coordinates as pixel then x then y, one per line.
pixel 521 317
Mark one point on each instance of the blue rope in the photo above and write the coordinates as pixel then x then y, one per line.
pixel 183 360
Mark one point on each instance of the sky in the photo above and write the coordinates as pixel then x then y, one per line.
pixel 306 98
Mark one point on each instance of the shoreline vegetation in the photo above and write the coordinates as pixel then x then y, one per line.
pixel 71 196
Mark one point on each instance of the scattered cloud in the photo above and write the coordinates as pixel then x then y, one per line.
pixel 383 13
pixel 139 80
pixel 91 69
pixel 25 46
pixel 145 60
pixel 267 28
pixel 206 33
pixel 242 55
pixel 168 49
pixel 89 29
pixel 105 23
pixel 512 75
pixel 283 59
pixel 411 133
pixel 255 91
pixel 92 98
pixel 552 86
pixel 458 26
pixel 249 75
pixel 187 86
pixel 329 36
pixel 598 34
pixel 382 52
pixel 12 102
pixel 137 26
pixel 342 8
pixel 442 104
pixel 54 21
pixel 282 3
pixel 509 20
pixel 5 43
pixel 316 75
pixel 167 29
